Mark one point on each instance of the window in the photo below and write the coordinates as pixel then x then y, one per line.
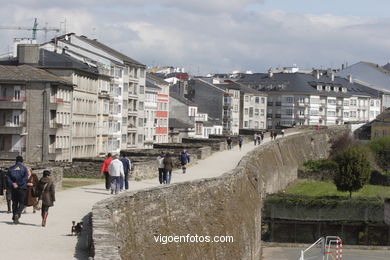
pixel 331 113
pixel 245 123
pixel 140 122
pixel 261 112
pixel 141 89
pixel 246 111
pixel 301 112
pixel 256 112
pixel 246 98
pixel 346 114
pixel 257 100
pixel 262 100
pixel 314 112
pixel 332 101
pixel 141 105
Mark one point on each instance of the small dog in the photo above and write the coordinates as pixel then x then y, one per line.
pixel 76 228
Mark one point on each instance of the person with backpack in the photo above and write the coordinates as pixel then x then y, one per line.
pixel 160 166
pixel 184 160
pixel 17 178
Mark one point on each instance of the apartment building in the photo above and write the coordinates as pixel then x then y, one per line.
pixel 373 78
pixel 151 107
pixel 182 113
pixel 126 89
pixel 35 113
pixel 252 106
pixel 84 121
pixel 162 113
pixel 220 103
pixel 312 99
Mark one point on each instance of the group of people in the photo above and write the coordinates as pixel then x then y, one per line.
pixel 21 187
pixel 274 134
pixel 258 138
pixel 229 142
pixel 165 165
pixel 116 172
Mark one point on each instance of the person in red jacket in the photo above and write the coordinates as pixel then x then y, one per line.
pixel 104 170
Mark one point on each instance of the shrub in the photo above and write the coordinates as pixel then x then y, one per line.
pixel 339 143
pixel 381 149
pixel 353 169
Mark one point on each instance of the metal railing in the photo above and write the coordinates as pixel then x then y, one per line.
pixel 12 99
pixel 326 250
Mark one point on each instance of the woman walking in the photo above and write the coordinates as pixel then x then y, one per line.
pixel 168 166
pixel 47 194
pixel 30 192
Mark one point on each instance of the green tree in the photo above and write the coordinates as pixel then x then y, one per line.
pixel 353 169
pixel 381 149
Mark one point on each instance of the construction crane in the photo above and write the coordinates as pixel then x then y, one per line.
pixel 34 29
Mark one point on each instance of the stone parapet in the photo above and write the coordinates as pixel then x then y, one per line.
pixel 231 204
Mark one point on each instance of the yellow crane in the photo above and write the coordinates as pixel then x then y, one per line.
pixel 34 29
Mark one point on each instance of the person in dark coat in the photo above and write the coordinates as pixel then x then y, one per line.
pixel 168 166
pixel 17 177
pixel 184 160
pixel 229 143
pixel 240 141
pixel 46 190
pixel 126 168
pixel 32 183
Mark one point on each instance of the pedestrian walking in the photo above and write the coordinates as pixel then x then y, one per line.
pixel 275 135
pixel 32 182
pixel 184 160
pixel 282 132
pixel 168 166
pixel 4 188
pixel 272 135
pixel 104 170
pixel 124 182
pixel 160 166
pixel 262 135
pixel 240 141
pixel 255 139
pixel 115 169
pixel 229 143
pixel 46 191
pixel 258 138
pixel 17 177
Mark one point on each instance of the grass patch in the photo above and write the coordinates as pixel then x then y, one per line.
pixel 318 188
pixel 68 183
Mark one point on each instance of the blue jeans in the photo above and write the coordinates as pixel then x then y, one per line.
pixel 115 184
pixel 161 175
pixel 167 176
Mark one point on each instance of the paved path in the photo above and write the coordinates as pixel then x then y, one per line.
pixel 29 240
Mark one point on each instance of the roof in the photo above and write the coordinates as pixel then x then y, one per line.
pixel 156 79
pixel 177 123
pixel 240 87
pixel 111 51
pixel 181 99
pixel 48 59
pixel 27 73
pixel 151 86
pixel 386 67
pixel 369 74
pixel 302 83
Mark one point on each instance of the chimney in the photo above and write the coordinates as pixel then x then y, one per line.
pixel 349 77
pixel 332 75
pixel 316 74
pixel 270 73
pixel 28 53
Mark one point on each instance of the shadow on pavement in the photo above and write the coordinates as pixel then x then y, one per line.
pixel 83 250
pixel 20 223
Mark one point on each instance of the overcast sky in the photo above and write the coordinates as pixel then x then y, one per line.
pixel 214 36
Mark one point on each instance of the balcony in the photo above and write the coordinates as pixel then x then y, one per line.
pixel 6 155
pixel 7 102
pixel 269 115
pixel 278 103
pixel 10 129
pixel 278 116
pixel 227 106
pixel 270 103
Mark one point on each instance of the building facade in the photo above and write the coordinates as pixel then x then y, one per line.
pixel 35 114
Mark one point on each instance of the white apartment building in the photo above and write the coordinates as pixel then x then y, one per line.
pixel 312 99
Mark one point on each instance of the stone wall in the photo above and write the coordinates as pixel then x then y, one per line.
pixel 124 226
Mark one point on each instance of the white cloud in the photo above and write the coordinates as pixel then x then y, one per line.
pixel 187 33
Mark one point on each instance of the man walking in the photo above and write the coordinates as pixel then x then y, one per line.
pixel 104 170
pixel 160 165
pixel 17 177
pixel 184 160
pixel 229 143
pixel 115 169
pixel 126 168
pixel 240 140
